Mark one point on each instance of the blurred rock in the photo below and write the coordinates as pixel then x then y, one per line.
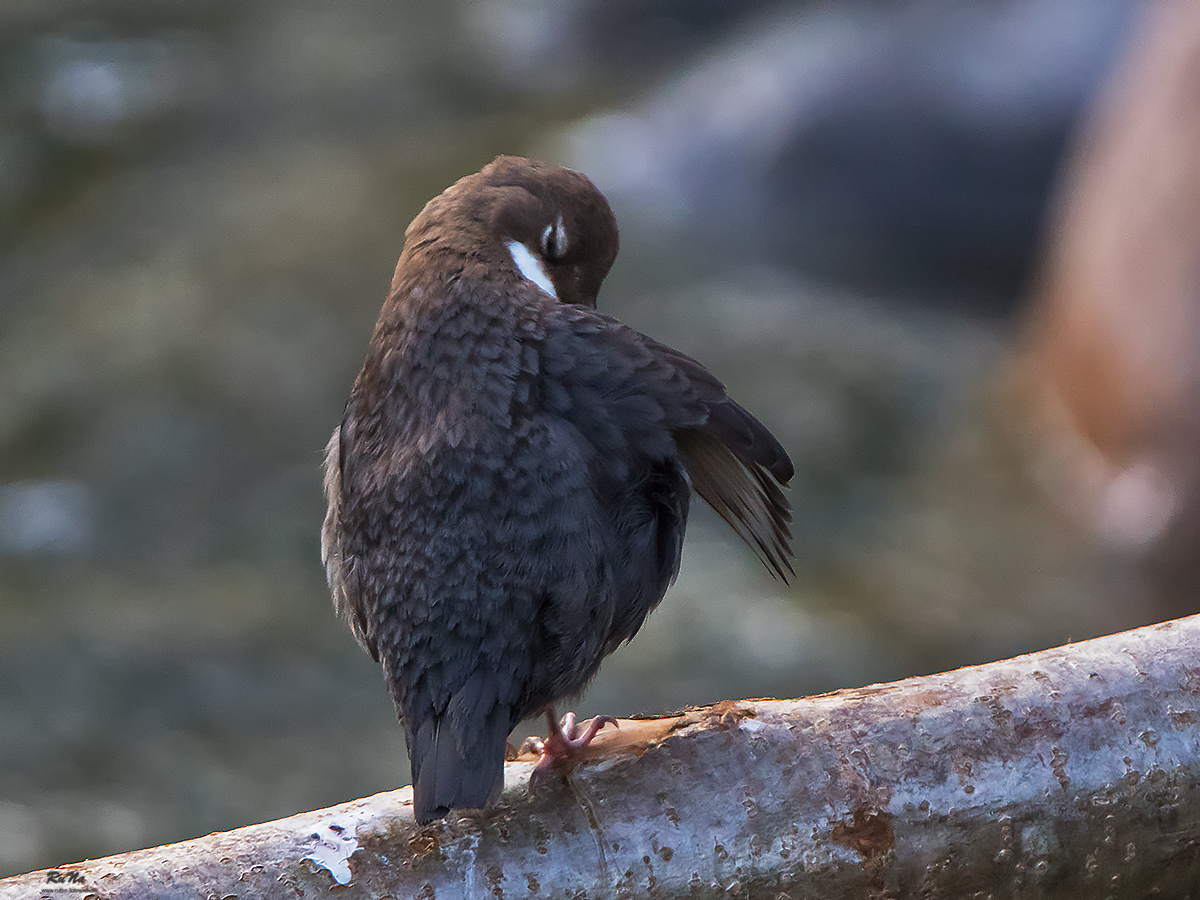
pixel 101 90
pixel 549 46
pixel 907 144
pixel 45 517
pixel 17 168
pixel 1112 366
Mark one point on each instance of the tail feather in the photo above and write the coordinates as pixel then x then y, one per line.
pixel 458 763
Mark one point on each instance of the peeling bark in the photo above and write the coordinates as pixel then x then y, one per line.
pixel 1074 772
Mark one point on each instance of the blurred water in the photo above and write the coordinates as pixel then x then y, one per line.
pixel 200 209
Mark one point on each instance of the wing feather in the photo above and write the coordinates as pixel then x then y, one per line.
pixel 640 385
pixel 340 566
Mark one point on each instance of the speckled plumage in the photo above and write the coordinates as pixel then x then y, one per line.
pixel 509 486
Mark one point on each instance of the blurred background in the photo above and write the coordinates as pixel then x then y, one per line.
pixel 946 250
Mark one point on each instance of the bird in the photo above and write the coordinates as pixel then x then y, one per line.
pixel 509 486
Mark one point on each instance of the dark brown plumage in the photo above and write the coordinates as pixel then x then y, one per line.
pixel 509 486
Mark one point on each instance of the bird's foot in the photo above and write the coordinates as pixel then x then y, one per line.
pixel 563 741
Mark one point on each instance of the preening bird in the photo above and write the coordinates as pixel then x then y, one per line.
pixel 509 486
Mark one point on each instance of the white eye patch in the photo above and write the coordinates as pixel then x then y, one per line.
pixel 554 240
pixel 531 267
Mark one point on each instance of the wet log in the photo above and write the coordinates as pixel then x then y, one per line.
pixel 1072 772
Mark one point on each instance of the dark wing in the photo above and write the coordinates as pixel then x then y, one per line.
pixel 738 467
pixel 647 393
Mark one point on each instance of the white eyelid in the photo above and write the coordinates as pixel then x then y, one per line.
pixel 531 267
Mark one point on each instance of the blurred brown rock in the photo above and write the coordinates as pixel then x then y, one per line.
pixel 1112 362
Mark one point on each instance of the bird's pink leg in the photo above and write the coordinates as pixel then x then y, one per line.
pixel 563 742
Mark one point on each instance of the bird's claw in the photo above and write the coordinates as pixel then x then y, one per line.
pixel 565 740
pixel 577 736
